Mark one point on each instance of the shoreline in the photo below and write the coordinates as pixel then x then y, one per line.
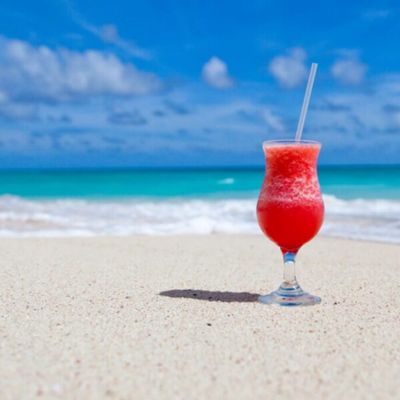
pixel 200 235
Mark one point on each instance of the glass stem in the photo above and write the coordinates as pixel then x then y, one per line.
pixel 289 270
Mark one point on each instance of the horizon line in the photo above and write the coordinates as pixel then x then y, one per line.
pixel 181 168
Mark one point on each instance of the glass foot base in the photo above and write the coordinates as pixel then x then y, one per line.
pixel 289 296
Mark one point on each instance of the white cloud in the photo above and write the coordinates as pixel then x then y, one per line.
pixel 363 118
pixel 215 73
pixel 109 34
pixel 41 74
pixel 349 71
pixel 289 70
pixel 340 119
pixel 272 120
pixel 19 111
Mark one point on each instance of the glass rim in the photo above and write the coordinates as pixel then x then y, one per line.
pixel 269 143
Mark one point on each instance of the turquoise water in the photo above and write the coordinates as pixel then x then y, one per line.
pixel 362 202
pixel 342 182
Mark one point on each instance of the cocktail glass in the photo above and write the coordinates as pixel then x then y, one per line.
pixel 290 210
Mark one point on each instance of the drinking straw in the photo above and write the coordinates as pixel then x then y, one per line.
pixel 306 101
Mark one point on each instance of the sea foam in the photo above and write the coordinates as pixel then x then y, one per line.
pixel 360 218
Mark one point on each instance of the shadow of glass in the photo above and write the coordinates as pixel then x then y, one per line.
pixel 210 295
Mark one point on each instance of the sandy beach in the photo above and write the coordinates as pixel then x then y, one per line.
pixel 176 318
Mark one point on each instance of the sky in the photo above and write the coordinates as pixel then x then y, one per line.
pixel 195 83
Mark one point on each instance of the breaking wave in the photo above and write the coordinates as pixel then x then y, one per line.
pixel 359 218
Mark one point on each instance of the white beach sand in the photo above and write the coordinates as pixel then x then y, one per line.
pixel 84 319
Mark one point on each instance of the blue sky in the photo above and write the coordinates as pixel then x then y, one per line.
pixel 195 83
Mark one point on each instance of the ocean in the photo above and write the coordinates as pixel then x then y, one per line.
pixel 360 202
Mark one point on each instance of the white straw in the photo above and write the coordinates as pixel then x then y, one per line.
pixel 306 101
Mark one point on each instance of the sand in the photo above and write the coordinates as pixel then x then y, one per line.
pixel 83 318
